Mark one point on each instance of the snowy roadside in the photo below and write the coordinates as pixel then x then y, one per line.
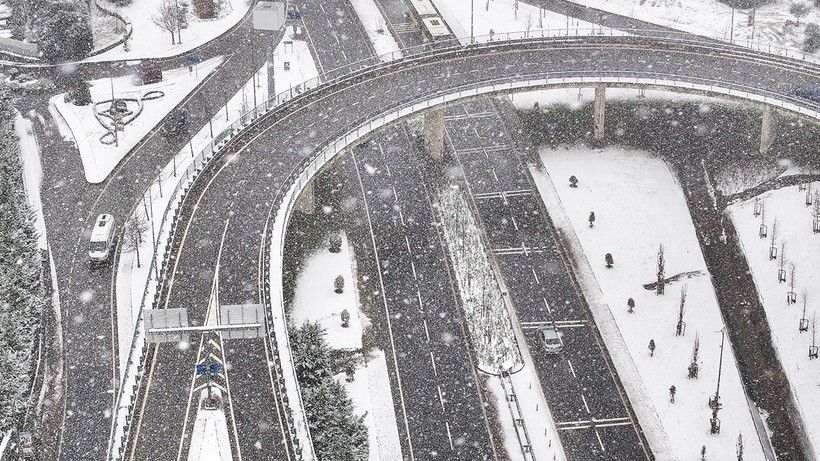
pixel 376 27
pixel 794 237
pixel 628 190
pixel 32 174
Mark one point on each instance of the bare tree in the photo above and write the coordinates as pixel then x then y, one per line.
pixel 135 230
pixel 166 18
pixel 804 322
pixel 680 329
pixel 661 278
pixel 528 23
pixel 693 366
pixel 739 447
pixel 772 247
pixel 792 296
pixel 813 347
pixel 781 273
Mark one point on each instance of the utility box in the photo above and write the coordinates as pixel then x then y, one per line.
pixel 269 15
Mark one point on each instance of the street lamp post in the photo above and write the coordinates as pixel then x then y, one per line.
pixel 714 402
pixel 472 22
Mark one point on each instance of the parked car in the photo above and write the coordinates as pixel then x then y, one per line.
pixel 551 338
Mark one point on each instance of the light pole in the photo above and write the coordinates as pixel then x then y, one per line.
pixel 179 32
pixel 714 402
pixel 732 27
pixel 472 22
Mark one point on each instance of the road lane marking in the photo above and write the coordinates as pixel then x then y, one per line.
pixel 413 266
pixel 536 276
pixel 401 216
pixel 572 370
pixel 386 311
pixel 600 442
pixel 440 397
pixel 418 295
pixel 515 224
pixel 585 403
pixel 426 331
pixel 435 370
pixel 407 241
pixel 549 311
pixel 449 435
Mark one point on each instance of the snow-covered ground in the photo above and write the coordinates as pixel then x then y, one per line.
pixel 150 41
pixel 84 127
pixel 376 28
pixel 630 191
pixel 494 19
pixel 209 437
pixel 315 300
pixel 802 248
pixel 32 174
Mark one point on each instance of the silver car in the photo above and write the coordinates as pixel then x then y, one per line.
pixel 551 339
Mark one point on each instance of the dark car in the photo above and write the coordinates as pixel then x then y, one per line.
pixel 176 123
pixel 147 73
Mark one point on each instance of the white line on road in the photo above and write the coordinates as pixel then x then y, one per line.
pixel 413 266
pixel 435 370
pixel 426 331
pixel 515 224
pixel 401 216
pixel 600 442
pixel 548 306
pixel 395 196
pixel 585 403
pixel 421 305
pixel 407 241
pixel 449 436
pixel 496 178
pixel 440 396
pixel 572 370
pixel 536 276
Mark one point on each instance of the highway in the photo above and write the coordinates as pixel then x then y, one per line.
pixel 262 158
pixel 329 112
pixel 593 418
pixel 438 384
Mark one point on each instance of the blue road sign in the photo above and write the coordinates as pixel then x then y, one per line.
pixel 214 368
pixel 190 59
pixel 201 369
pixel 295 15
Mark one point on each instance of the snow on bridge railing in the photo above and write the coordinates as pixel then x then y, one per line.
pixel 300 175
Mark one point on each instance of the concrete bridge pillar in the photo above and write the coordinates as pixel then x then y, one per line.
pixel 598 114
pixel 434 132
pixel 767 130
pixel 304 204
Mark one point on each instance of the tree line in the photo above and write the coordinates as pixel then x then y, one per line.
pixel 22 296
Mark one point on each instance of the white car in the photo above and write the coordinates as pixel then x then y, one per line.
pixel 102 239
pixel 551 339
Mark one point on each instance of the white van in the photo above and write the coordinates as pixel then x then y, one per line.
pixel 102 239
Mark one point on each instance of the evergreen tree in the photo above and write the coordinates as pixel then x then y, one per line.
pixel 64 30
pixel 311 355
pixel 82 94
pixel 21 292
pixel 337 433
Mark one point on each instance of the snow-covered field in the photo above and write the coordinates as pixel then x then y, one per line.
pixel 100 159
pixel 802 249
pixel 315 300
pixel 638 206
pixel 32 173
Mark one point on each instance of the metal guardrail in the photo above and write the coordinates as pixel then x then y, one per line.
pixel 514 406
pixel 310 165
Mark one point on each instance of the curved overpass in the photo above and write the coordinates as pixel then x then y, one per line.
pixel 270 161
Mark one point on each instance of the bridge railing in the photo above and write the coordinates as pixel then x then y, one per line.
pixel 310 165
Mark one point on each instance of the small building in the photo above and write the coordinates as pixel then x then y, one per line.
pixel 269 15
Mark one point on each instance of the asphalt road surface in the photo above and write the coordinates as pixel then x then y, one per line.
pixel 437 393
